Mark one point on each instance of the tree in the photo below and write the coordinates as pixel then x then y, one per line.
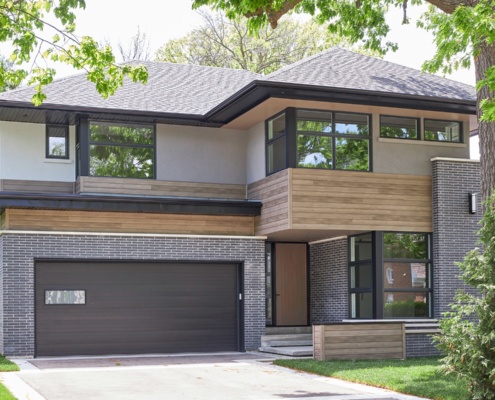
pixel 221 42
pixel 35 41
pixel 137 49
pixel 463 30
pixel 6 65
pixel 468 332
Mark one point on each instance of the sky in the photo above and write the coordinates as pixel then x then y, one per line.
pixel 163 20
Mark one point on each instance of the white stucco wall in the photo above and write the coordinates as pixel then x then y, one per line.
pixel 22 154
pixel 256 169
pixel 194 154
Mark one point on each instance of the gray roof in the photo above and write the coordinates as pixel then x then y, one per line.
pixel 344 69
pixel 195 90
pixel 171 88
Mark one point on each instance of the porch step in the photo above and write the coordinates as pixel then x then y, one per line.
pixel 287 330
pixel 298 351
pixel 290 340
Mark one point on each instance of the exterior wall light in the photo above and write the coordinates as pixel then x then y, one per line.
pixel 472 203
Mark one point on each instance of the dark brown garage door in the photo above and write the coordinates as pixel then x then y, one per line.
pixel 131 308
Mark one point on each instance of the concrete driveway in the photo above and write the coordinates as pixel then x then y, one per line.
pixel 238 376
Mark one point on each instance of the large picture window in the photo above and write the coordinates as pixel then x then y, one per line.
pixel 121 150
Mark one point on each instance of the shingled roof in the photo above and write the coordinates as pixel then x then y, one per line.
pixel 171 88
pixel 339 68
pixel 195 90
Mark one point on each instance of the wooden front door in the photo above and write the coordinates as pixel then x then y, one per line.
pixel 291 284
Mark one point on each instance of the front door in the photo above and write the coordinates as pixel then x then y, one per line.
pixel 291 284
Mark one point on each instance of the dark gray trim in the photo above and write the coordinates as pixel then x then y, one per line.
pixel 131 204
pixel 83 146
pixel 378 273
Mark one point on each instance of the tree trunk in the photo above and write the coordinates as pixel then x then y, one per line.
pixel 482 62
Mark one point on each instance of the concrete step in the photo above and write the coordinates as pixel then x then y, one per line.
pixel 298 351
pixel 287 340
pixel 287 330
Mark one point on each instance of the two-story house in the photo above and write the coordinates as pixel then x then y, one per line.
pixel 189 214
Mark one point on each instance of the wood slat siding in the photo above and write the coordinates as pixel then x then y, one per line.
pixel 119 222
pixel 90 184
pixel 273 191
pixel 25 186
pixel 360 201
pixel 359 341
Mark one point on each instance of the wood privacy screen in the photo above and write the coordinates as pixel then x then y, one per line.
pixel 353 341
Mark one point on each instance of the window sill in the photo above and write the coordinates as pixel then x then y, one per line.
pixel 421 142
pixel 58 161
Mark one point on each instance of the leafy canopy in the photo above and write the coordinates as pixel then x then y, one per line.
pixel 225 43
pixel 26 26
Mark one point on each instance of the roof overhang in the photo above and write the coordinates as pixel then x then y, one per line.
pixel 131 204
pixel 259 91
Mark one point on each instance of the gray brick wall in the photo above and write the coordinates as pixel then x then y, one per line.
pixel 329 281
pixel 420 345
pixel 21 250
pixel 454 229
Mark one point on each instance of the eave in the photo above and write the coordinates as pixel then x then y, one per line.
pixel 131 204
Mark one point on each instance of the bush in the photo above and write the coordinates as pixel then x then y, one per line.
pixel 468 330
pixel 406 308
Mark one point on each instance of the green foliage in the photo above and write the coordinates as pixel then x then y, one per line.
pixel 220 42
pixel 405 309
pixel 416 376
pixel 405 245
pixel 468 330
pixel 24 25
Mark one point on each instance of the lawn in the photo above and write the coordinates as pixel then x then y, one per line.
pixel 417 376
pixel 6 366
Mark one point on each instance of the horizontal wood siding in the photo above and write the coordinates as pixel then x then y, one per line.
pixel 359 341
pixel 148 187
pixel 120 222
pixel 360 201
pixel 24 186
pixel 273 191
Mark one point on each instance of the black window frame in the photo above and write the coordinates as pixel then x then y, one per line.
pixel 418 127
pixel 291 135
pixel 84 144
pixel 377 264
pixel 461 129
pixel 66 156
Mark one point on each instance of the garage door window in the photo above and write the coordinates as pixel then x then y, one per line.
pixel 65 297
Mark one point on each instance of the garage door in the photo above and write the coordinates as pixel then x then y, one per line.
pixel 135 308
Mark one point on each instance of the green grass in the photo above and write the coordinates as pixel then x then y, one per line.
pixel 418 376
pixel 6 366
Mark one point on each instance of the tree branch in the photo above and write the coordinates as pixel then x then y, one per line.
pixel 274 15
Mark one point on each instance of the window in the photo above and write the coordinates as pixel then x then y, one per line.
pixel 57 141
pixel 390 275
pixel 121 150
pixel 318 139
pixel 406 258
pixel 398 127
pixel 442 131
pixel 276 144
pixel 333 140
pixel 65 297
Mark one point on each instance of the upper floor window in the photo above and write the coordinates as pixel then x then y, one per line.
pixel 318 139
pixel 57 141
pixel 442 131
pixel 398 127
pixel 121 150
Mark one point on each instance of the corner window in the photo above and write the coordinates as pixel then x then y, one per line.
pixel 390 275
pixel 121 150
pixel 318 139
pixel 57 141
pixel 442 131
pixel 398 127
